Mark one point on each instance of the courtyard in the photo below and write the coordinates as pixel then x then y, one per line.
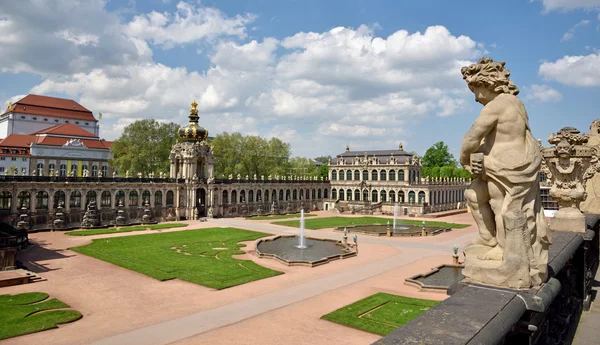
pixel 122 303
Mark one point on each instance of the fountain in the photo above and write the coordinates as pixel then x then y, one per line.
pixel 59 217
pixel 23 222
pixel 396 208
pixel 147 217
pixel 301 241
pixel 120 219
pixel 90 217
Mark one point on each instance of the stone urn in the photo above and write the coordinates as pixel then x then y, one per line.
pixel 569 164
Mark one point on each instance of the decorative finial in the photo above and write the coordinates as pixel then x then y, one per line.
pixel 194 111
pixel 401 147
pixel 347 148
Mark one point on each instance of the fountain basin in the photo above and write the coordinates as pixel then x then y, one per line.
pixel 318 252
pixel 439 279
pixel 401 230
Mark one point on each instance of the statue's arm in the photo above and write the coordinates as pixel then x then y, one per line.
pixel 487 120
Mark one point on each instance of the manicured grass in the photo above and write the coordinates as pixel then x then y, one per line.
pixel 280 216
pixel 380 313
pixel 199 256
pixel 124 229
pixel 332 222
pixel 26 313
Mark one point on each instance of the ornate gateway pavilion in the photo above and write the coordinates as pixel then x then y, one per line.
pixel 191 191
pixel 373 181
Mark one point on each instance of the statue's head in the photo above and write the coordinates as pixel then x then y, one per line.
pixel 491 75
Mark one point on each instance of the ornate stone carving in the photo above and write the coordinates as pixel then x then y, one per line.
pixel 592 203
pixel 500 151
pixel 570 164
pixel 74 143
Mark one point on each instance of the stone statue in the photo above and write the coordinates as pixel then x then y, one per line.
pixel 254 177
pixel 114 173
pixel 230 177
pixel 195 177
pixel 139 175
pixel 127 174
pixel 500 151
pixel 100 173
pixel 592 203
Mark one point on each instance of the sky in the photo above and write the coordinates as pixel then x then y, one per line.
pixel 317 74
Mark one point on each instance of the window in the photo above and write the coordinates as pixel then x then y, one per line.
pixel 281 194
pixel 2 158
pixel 59 199
pixel 383 196
pixel 87 123
pixel 104 170
pixel 94 170
pixel 356 195
pixel 313 194
pixel 24 199
pixel 13 158
pixel 158 198
pixel 66 121
pixel 348 194
pixel 34 118
pixel 5 200
pixel 365 195
pixel 105 199
pixel 13 151
pixel 374 175
pixel 341 175
pixel 411 197
pixel 23 152
pixel 145 198
pixel 41 199
pixel 63 170
pixel 120 198
pixel 401 175
pixel 234 197
pixel 374 196
pixel 333 175
pixel 40 168
pixel 392 196
pixel 333 194
pixel 421 196
pixel 356 175
pixel 75 199
pixel 225 198
pixel 266 195
pixel 74 169
pixel 1 169
pixel 84 167
pixel 382 175
pixel 23 117
pixel 250 196
pixel 91 195
pixel 55 120
pixel 133 198
pixel 319 193
pixel 76 122
pixel 349 175
pixel 295 195
pixel 24 159
pixel 325 193
pixel 392 175
pixel 243 196
pixel 170 198
pixel 259 195
pixel 46 120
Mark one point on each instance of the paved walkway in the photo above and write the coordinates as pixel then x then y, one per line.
pixel 588 330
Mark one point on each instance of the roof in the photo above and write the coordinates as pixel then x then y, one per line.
pixel 67 129
pixel 382 156
pixel 17 140
pixel 51 106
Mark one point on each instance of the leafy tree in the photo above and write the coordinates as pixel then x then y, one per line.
pixel 303 166
pixel 447 171
pixel 438 155
pixel 323 171
pixel 323 159
pixel 144 147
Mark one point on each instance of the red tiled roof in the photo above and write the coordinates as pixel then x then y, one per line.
pixel 67 129
pixel 52 106
pixel 17 140
pixel 60 141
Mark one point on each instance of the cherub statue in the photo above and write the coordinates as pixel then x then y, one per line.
pixel 503 155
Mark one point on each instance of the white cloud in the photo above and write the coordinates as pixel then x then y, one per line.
pixel 571 32
pixel 566 5
pixel 189 24
pixel 573 70
pixel 542 93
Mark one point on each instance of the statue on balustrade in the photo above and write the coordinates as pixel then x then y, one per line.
pixel 501 152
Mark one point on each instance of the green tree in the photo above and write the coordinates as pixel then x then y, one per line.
pixel 303 166
pixel 144 147
pixel 323 159
pixel 438 155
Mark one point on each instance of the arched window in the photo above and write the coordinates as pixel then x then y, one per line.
pixel 348 194
pixel 63 170
pixel 333 175
pixel 356 175
pixel 349 175
pixel 333 194
pixel 401 197
pixel 234 197
pixel 274 195
pixel 5 200
pixel 392 196
pixel 383 196
pixel 374 196
pixel 41 200
pixel 374 175
pixel 40 169
pixel 51 168
pixel 94 170
pixel 105 199
pixel 341 194
pixel 365 175
pixel 543 177
pixel 91 195
pixel 319 193
pixel 104 171
pixel 170 198
pixel 341 175
pixel 75 199
pixel 133 198
pixel 411 197
pixel 295 194
pixel 120 198
pixel 145 197
pixel 259 195
pixel 365 195
pixel 59 198
pixel 266 195
pixel 383 176
pixel 307 195
pixel 356 195
pixel 301 194
pixel 287 195
pixel 24 199
pixel 225 197
pixel 158 198
pixel 325 193
pixel 400 175
pixel 281 194
pixel 84 167
pixel 392 175
pixel 313 194
pixel 250 196
pixel 74 169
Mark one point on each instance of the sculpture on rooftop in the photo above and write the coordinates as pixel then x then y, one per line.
pixel 505 159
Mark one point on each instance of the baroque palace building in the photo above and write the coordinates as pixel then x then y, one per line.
pixel 374 181
pixel 37 200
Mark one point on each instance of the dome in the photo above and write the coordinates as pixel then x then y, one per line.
pixel 193 132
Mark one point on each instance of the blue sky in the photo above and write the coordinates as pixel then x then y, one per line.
pixel 317 74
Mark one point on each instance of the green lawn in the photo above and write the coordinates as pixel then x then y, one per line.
pixel 199 256
pixel 332 222
pixel 380 313
pixel 280 216
pixel 31 312
pixel 124 229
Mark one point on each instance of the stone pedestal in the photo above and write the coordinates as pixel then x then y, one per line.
pixel 568 219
